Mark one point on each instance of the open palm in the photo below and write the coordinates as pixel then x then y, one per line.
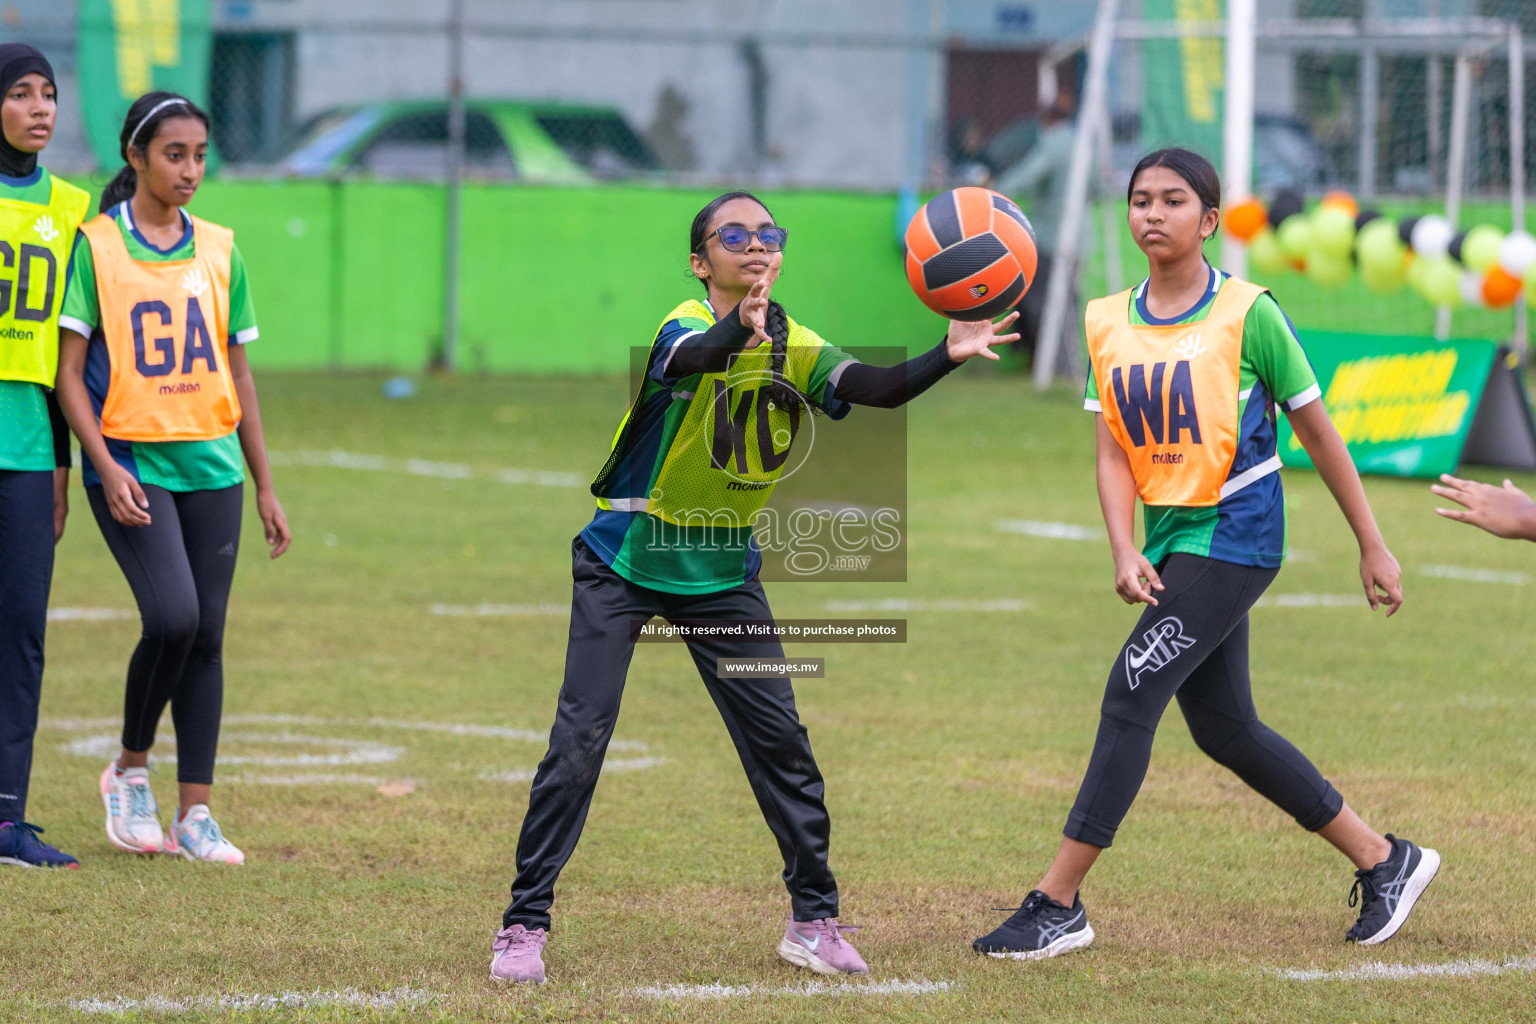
pixel 967 338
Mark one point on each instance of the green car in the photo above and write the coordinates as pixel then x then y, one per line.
pixel 504 140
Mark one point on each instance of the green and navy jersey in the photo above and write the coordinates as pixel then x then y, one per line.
pixel 26 433
pixel 646 549
pixel 174 465
pixel 1247 526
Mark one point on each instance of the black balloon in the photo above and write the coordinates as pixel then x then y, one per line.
pixel 1455 247
pixel 1364 217
pixel 1288 202
pixel 1405 230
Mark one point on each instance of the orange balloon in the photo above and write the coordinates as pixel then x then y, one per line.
pixel 1344 201
pixel 1500 287
pixel 1247 219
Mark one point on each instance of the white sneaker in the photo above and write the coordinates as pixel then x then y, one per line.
pixel 197 837
pixel 133 817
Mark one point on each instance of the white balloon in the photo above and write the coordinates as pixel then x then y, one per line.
pixel 1517 253
pixel 1432 236
pixel 1472 288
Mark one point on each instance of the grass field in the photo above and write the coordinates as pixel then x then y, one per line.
pixel 951 761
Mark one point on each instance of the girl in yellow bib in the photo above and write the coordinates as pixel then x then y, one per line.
pixel 154 379
pixel 38 217
pixel 1187 371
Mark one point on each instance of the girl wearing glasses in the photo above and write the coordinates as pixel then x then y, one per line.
pixel 728 382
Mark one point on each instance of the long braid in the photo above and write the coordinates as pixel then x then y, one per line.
pixel 781 390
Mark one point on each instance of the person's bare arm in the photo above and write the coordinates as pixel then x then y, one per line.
pixel 1379 571
pixel 125 498
pixel 274 522
pixel 1506 511
pixel 1135 577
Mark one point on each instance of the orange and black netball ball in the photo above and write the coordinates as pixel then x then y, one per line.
pixel 971 254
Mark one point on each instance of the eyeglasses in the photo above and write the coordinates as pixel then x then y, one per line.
pixel 736 238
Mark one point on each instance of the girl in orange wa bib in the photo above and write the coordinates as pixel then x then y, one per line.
pixel 154 380
pixel 1187 371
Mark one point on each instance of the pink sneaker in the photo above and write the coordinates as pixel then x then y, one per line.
pixel 820 946
pixel 516 955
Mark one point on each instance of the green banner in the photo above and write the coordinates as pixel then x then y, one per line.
pixel 1183 80
pixel 130 47
pixel 1403 405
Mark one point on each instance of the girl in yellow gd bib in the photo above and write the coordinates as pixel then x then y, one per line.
pixel 154 380
pixel 1187 371
pixel 38 217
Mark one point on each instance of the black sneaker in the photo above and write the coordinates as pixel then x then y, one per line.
pixel 1388 891
pixel 1040 928
pixel 20 846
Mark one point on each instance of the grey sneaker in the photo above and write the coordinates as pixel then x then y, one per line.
pixel 1387 892
pixel 1039 929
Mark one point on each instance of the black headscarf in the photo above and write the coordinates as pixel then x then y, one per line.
pixel 18 60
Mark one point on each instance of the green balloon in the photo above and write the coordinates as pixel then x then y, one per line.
pixel 1530 286
pixel 1480 249
pixel 1295 236
pixel 1327 269
pixel 1333 231
pixel 1442 281
pixel 1384 278
pixel 1378 246
pixel 1265 255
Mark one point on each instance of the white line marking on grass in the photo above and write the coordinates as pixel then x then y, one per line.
pixel 355 751
pixel 809 988
pixel 348 998
pixel 318 779
pixel 1312 601
pixel 898 604
pixel 1461 572
pixel 1050 531
pixel 1402 972
pixel 492 731
pixel 613 766
pixel 89 614
pixel 337 459
pixel 487 611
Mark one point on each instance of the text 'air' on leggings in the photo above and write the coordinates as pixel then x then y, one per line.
pixel 180 568
pixel 1193 645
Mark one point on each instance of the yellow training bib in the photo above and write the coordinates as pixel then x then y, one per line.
pixel 35 241
pixel 167 331
pixel 1170 393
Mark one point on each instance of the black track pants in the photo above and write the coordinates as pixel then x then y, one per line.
pixel 180 568
pixel 26 573
pixel 759 714
pixel 1193 645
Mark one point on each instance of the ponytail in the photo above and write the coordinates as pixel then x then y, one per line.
pixel 118 189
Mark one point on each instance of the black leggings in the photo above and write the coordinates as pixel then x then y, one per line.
pixel 759 714
pixel 180 568
pixel 26 572
pixel 1193 645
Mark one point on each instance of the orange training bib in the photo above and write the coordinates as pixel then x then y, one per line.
pixel 167 331
pixel 1169 394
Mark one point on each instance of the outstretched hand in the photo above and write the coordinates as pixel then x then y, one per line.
pixel 1506 511
pixel 976 338
pixel 754 308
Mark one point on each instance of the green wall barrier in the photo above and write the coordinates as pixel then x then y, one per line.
pixel 555 280
pixel 567 280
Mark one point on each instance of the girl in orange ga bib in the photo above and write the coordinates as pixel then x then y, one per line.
pixel 1187 371
pixel 154 380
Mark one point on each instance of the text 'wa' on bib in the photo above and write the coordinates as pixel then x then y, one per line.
pixel 35 242
pixel 167 332
pixel 1170 393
